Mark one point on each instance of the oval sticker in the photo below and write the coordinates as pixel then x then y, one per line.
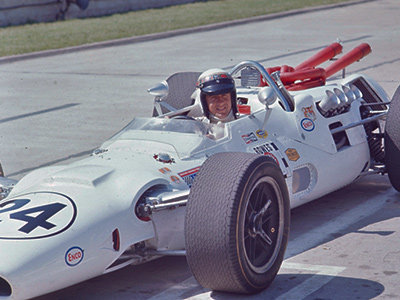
pixel 74 256
pixel 36 215
pixel 262 134
pixel 307 124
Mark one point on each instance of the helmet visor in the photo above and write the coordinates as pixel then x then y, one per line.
pixel 218 86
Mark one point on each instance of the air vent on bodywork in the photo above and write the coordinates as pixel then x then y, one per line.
pixel 340 137
pixel 5 288
pixel 369 95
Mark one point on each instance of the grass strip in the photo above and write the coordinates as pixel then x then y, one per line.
pixel 44 36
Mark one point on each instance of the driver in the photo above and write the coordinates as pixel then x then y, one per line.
pixel 218 95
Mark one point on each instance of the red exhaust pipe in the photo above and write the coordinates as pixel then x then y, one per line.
pixel 354 55
pixel 305 74
pixel 325 54
pixel 305 85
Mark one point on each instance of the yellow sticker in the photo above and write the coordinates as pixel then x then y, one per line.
pixel 262 134
pixel 292 154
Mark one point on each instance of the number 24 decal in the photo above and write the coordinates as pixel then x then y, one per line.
pixel 33 217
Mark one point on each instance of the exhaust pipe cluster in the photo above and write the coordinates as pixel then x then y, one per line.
pixel 306 75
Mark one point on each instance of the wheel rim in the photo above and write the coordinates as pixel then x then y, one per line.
pixel 263 225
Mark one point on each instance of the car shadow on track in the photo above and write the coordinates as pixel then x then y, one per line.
pixel 285 287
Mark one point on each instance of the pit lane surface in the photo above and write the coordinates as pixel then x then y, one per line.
pixel 56 109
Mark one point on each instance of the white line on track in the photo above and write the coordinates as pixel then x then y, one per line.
pixel 312 284
pixel 318 235
pixel 178 290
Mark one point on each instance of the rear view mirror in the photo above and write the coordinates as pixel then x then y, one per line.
pixel 161 90
pixel 267 96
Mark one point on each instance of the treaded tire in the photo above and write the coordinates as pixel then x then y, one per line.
pixel 235 240
pixel 392 141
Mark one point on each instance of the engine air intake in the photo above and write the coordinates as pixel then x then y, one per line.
pixel 369 95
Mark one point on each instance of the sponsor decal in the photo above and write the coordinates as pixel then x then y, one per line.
pixel 292 154
pixel 164 170
pixel 307 124
pixel 309 112
pixel 36 215
pixel 174 179
pixel 189 175
pixel 262 134
pixel 249 138
pixel 266 149
pixel 73 256
pixel 262 149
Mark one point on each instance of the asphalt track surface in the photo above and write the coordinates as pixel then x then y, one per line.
pixel 57 108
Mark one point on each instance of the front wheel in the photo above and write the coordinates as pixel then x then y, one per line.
pixel 237 223
pixel 392 141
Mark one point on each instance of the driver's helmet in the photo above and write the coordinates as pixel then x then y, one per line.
pixel 216 82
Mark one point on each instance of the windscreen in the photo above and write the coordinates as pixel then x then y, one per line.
pixel 187 136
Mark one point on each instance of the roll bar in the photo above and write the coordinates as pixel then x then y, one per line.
pixel 274 85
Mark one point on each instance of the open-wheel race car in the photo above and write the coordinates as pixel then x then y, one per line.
pixel 165 186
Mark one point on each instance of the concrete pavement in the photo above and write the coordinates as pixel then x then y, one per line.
pixel 72 102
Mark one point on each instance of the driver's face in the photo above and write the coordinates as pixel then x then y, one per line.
pixel 219 105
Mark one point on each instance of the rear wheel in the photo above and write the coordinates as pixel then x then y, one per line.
pixel 237 223
pixel 392 141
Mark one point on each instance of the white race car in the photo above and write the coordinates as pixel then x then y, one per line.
pixel 165 186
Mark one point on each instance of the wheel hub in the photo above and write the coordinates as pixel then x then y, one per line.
pixel 256 224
